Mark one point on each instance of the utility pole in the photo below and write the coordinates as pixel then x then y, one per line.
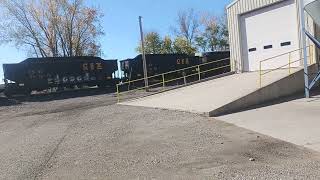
pixel 143 56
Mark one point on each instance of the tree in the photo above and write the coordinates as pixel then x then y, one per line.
pixel 201 43
pixel 182 46
pixel 51 27
pixel 152 43
pixel 224 33
pixel 167 46
pixel 188 25
pixel 211 31
pixel 215 32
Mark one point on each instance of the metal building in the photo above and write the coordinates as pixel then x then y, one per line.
pixel 260 29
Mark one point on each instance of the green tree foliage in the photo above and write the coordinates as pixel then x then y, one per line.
pixel 182 46
pixel 167 46
pixel 206 33
pixel 215 32
pixel 224 33
pixel 193 34
pixel 201 43
pixel 153 44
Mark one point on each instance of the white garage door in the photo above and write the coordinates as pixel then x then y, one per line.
pixel 269 32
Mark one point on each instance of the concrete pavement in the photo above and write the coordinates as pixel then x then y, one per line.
pixel 210 95
pixel 89 138
pixel 296 121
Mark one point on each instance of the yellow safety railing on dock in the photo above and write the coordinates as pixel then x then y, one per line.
pixel 289 65
pixel 164 81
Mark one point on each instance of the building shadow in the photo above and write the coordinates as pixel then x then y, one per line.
pixel 315 96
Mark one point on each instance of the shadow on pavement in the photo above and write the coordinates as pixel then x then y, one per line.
pixel 314 97
pixel 54 96
pixel 8 102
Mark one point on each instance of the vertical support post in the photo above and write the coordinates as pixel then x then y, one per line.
pixel 118 94
pixel 163 81
pixel 289 63
pixel 304 47
pixel 143 56
pixel 184 78
pixel 199 72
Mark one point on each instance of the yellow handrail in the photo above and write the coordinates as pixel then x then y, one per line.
pixel 271 58
pixel 198 73
pixel 289 64
pixel 178 70
pixel 271 70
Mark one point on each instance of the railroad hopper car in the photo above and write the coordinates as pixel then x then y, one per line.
pixel 215 63
pixel 37 74
pixel 1 88
pixel 157 64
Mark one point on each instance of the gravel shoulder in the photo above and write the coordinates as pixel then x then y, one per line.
pixel 93 138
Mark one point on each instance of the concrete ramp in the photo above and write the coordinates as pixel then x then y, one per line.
pixel 227 94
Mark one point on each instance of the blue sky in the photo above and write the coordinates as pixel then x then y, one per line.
pixel 120 23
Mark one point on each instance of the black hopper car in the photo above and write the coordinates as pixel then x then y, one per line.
pixel 156 64
pixel 215 63
pixel 211 64
pixel 38 74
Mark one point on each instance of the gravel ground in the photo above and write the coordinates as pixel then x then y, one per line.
pixel 93 138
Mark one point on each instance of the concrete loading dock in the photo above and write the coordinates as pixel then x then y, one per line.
pixel 226 94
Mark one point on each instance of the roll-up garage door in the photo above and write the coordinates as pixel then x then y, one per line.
pixel 269 32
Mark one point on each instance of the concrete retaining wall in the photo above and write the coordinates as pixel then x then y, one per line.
pixel 285 87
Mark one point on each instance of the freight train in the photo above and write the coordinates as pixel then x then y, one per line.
pixel 38 74
pixel 163 63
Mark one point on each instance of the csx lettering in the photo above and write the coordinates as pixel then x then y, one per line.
pixel 183 61
pixel 92 66
pixel 99 66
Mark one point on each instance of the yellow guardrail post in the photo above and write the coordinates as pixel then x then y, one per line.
pixel 118 94
pixel 289 63
pixel 260 74
pixel 163 81
pixel 199 72
pixel 184 78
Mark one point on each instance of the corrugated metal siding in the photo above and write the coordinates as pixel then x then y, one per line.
pixel 233 12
